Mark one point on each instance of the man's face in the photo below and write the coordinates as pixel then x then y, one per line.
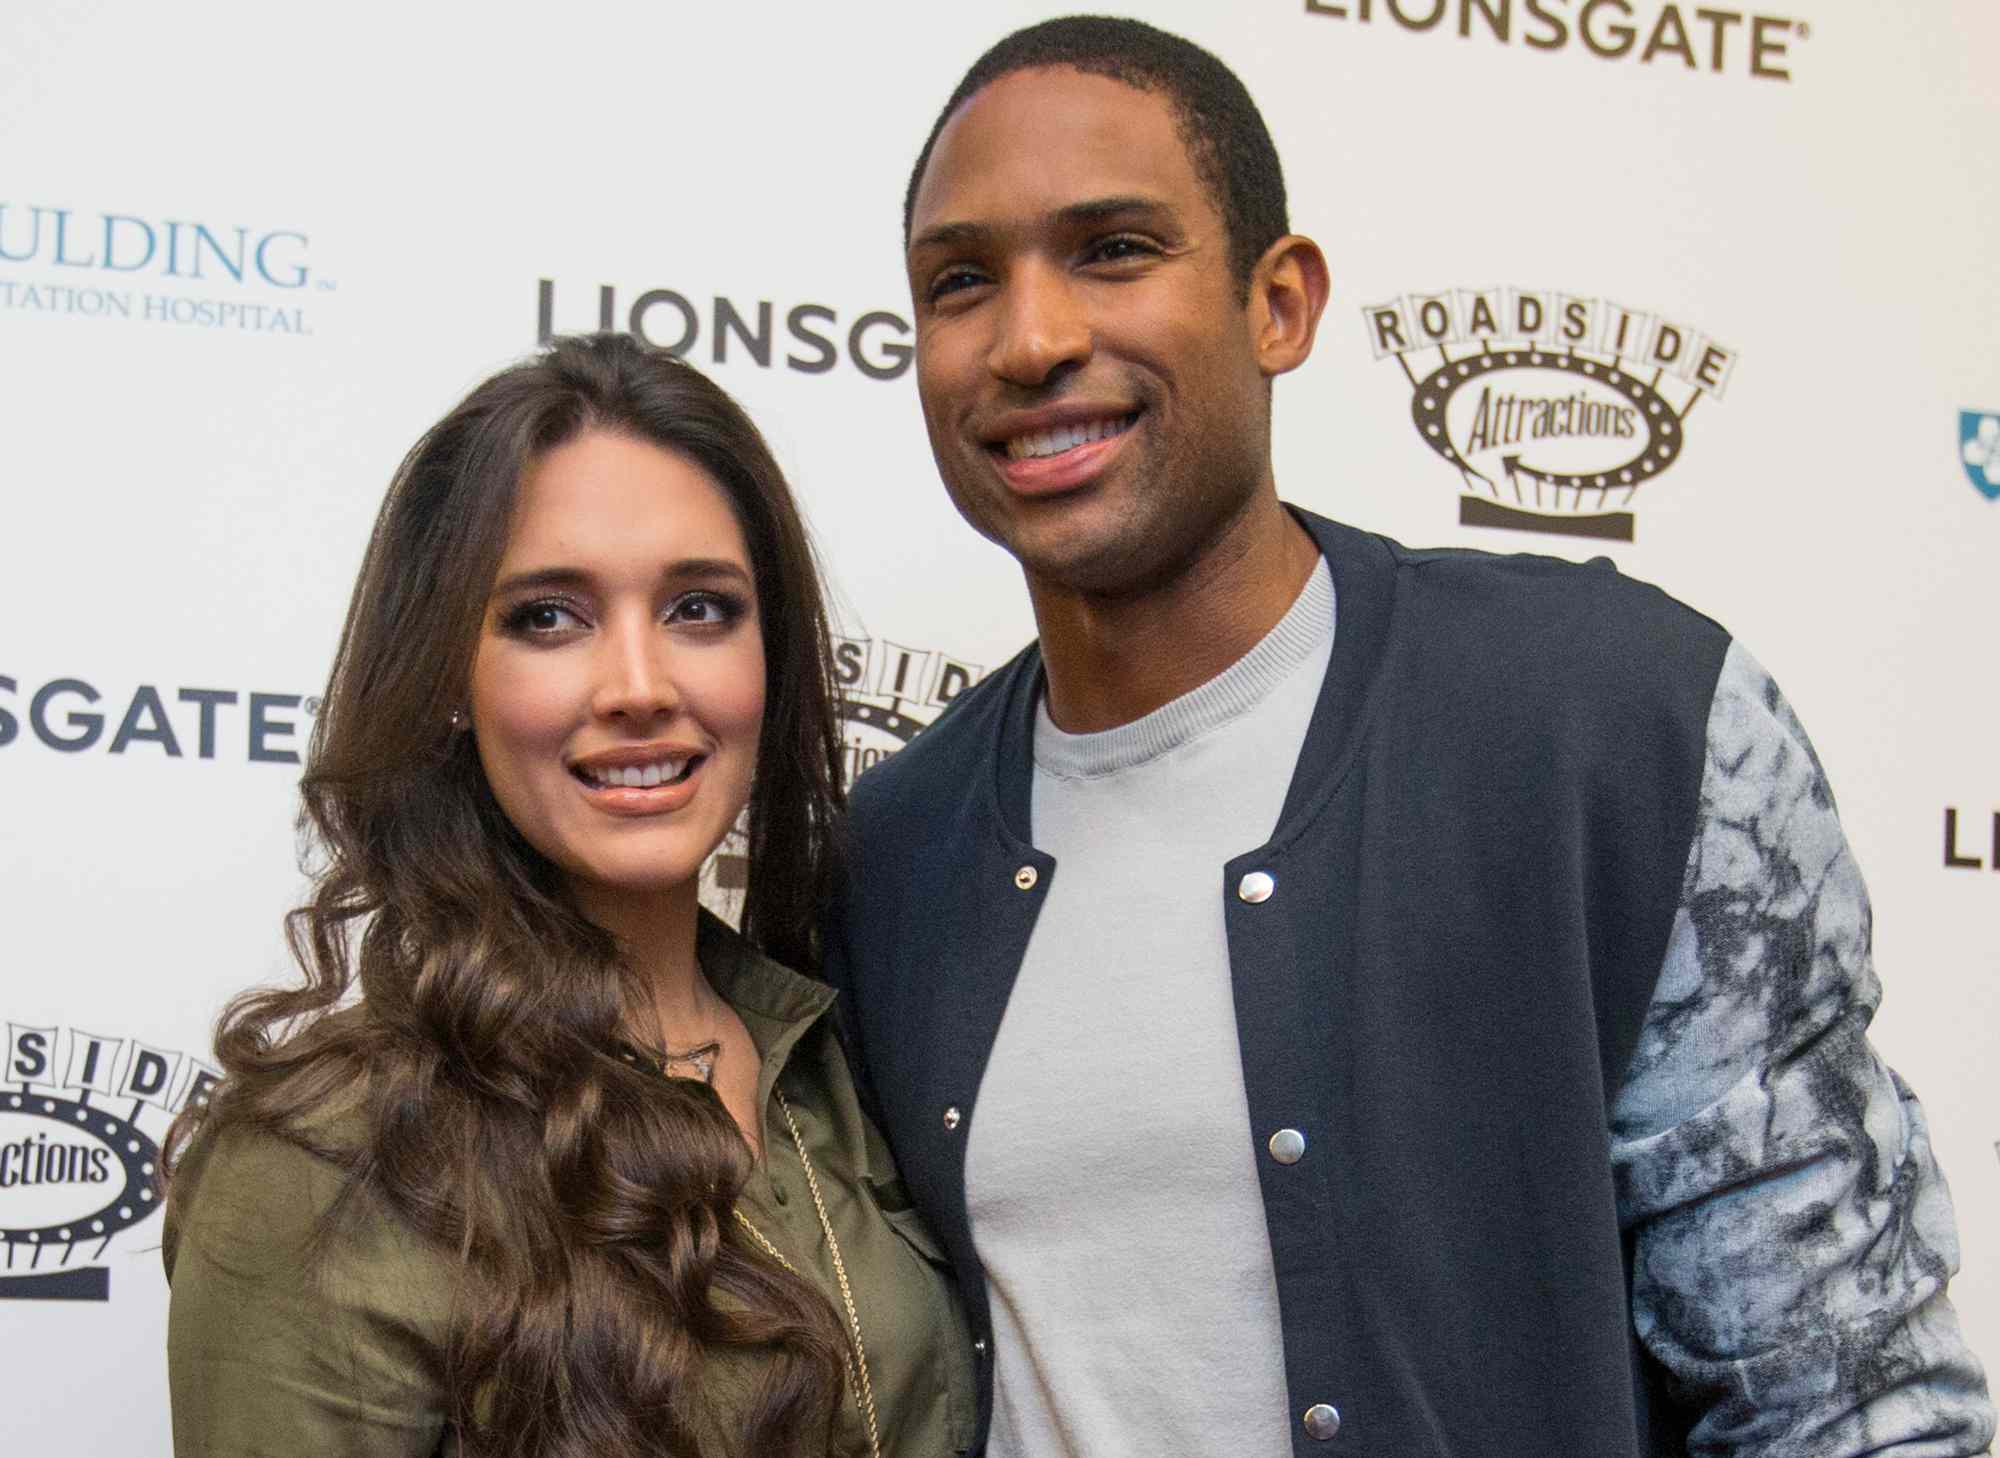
pixel 1085 358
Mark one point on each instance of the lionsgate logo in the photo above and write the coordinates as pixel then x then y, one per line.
pixel 72 716
pixel 889 695
pixel 1963 851
pixel 157 270
pixel 1554 409
pixel 81 1118
pixel 814 340
pixel 1703 38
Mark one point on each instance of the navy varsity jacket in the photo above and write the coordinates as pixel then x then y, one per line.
pixel 1565 979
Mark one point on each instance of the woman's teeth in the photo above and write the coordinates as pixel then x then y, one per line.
pixel 636 777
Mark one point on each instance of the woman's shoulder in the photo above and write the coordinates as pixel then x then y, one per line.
pixel 238 1177
pixel 305 1316
pixel 285 1209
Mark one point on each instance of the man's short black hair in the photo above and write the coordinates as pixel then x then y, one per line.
pixel 1218 123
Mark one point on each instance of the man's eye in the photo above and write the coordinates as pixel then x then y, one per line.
pixel 1118 249
pixel 954 280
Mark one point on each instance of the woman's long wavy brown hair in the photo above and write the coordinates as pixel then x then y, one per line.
pixel 588 1204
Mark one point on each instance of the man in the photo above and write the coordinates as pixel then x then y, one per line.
pixel 1380 1038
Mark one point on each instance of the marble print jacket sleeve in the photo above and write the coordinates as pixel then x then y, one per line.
pixel 1793 1235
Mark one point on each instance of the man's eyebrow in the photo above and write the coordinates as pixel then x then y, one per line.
pixel 1104 209
pixel 1076 214
pixel 947 235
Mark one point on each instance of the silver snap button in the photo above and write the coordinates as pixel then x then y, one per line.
pixel 951 1117
pixel 1256 887
pixel 1026 877
pixel 1287 1146
pixel 1322 1421
pixel 979 1346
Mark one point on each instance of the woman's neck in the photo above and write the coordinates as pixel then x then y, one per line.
pixel 655 931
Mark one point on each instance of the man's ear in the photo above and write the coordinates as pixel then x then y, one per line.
pixel 1288 292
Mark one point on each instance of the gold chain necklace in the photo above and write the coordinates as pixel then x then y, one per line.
pixel 864 1391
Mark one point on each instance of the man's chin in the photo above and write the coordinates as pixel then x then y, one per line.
pixel 1106 570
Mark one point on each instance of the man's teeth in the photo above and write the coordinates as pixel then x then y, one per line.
pixel 1065 437
pixel 638 776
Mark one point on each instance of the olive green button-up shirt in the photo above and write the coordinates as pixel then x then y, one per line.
pixel 270 1353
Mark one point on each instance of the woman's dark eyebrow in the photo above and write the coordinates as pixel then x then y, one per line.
pixel 575 577
pixel 540 577
pixel 708 567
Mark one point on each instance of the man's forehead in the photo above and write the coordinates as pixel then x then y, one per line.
pixel 1038 140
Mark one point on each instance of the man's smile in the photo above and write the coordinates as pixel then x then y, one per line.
pixel 1057 448
pixel 1036 445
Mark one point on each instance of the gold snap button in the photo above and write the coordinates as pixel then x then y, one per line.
pixel 1026 877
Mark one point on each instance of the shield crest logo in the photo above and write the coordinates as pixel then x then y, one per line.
pixel 1979 448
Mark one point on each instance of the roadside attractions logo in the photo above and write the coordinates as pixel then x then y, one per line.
pixel 1979 450
pixel 889 695
pixel 816 338
pixel 80 264
pixel 81 1117
pixel 1553 409
pixel 73 716
pixel 1700 38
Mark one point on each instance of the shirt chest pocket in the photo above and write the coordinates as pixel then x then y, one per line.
pixel 942 1311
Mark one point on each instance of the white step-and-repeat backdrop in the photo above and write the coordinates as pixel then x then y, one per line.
pixel 247 254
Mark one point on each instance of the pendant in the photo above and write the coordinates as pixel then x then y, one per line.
pixel 697 1062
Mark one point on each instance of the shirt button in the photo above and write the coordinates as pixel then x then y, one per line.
pixel 778 1193
pixel 1322 1421
pixel 1026 877
pixel 1256 887
pixel 951 1118
pixel 1288 1146
pixel 979 1346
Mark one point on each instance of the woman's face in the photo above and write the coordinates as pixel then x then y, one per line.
pixel 618 686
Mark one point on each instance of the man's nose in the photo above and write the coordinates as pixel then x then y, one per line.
pixel 1044 327
pixel 635 678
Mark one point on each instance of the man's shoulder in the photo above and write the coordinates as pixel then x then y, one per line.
pixel 1525 579
pixel 1520 633
pixel 1530 580
pixel 1514 605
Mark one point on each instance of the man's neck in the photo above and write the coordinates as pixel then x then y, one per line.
pixel 1111 660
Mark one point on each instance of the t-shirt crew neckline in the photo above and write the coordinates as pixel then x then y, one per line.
pixel 1239 688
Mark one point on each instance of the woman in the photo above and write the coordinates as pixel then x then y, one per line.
pixel 581 1172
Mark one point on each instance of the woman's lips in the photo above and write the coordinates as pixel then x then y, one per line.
pixel 660 799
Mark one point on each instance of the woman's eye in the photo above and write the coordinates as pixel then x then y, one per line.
pixel 541 619
pixel 704 609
